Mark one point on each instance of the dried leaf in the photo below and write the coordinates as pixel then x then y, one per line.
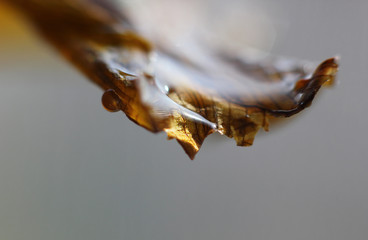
pixel 187 92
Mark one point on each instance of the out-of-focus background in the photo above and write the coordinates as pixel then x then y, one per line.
pixel 70 170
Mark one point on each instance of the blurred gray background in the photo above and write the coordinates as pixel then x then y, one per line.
pixel 70 170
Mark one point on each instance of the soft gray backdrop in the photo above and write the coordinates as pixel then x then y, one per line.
pixel 70 170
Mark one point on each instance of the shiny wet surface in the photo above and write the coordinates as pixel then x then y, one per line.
pixel 69 170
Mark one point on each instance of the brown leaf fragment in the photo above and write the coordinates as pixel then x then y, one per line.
pixel 188 92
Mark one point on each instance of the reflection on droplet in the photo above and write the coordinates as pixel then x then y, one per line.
pixel 111 101
pixel 167 89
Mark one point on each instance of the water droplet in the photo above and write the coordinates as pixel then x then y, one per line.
pixel 111 101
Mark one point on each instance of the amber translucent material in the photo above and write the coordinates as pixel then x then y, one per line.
pixel 111 101
pixel 189 94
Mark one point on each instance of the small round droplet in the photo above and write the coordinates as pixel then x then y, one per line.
pixel 111 101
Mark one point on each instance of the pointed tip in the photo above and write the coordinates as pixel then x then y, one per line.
pixel 328 69
pixel 189 149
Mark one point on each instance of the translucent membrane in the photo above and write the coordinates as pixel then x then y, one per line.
pixel 180 74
